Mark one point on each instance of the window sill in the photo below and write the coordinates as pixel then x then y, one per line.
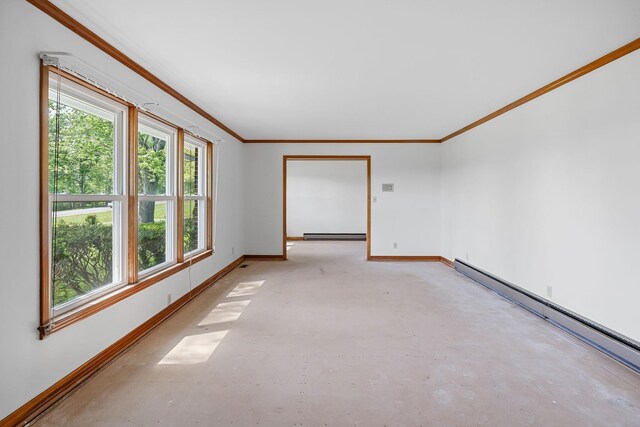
pixel 117 295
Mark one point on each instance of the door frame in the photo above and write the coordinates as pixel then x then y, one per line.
pixel 285 158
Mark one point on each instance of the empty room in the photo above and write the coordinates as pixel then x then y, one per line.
pixel 326 213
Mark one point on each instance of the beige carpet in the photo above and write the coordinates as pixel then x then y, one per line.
pixel 328 339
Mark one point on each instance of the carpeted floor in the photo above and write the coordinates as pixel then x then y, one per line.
pixel 328 339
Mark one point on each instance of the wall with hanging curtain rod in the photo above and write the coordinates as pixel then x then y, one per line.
pixel 28 366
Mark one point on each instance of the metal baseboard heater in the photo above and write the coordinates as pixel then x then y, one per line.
pixel 619 347
pixel 334 236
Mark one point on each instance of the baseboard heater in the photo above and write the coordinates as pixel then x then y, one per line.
pixel 334 236
pixel 621 348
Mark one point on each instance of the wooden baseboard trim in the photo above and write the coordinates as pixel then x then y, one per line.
pixel 419 258
pixel 36 406
pixel 409 258
pixel 264 257
pixel 294 238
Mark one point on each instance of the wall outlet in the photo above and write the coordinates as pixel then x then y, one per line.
pixel 395 245
pixel 549 291
pixel 169 298
pixel 375 199
pixel 467 256
pixel 233 250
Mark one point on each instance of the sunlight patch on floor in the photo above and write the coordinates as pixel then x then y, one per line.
pixel 194 349
pixel 245 289
pixel 224 312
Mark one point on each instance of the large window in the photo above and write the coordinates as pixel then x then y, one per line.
pixel 124 197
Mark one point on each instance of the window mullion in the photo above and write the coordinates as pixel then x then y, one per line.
pixel 180 197
pixel 132 192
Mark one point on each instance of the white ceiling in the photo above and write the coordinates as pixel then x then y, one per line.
pixel 358 69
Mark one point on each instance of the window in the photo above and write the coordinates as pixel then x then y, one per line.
pixel 156 195
pixel 195 196
pixel 124 195
pixel 86 202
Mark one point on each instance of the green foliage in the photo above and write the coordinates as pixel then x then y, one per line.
pixel 190 170
pixel 151 244
pixel 82 258
pixel 152 175
pixel 83 157
pixel 190 235
pixel 152 161
pixel 84 152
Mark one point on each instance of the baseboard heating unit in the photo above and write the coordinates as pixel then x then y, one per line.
pixel 621 348
pixel 334 236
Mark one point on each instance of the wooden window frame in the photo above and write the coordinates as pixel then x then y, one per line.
pixel 134 284
pixel 170 196
pixel 81 99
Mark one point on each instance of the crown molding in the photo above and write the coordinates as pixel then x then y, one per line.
pixel 342 141
pixel 594 65
pixel 63 18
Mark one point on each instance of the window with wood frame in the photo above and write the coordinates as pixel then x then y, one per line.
pixel 156 195
pixel 195 196
pixel 124 196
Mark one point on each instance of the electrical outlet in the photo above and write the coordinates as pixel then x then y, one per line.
pixel 233 250
pixel 467 256
pixel 549 291
pixel 375 199
pixel 395 245
pixel 168 299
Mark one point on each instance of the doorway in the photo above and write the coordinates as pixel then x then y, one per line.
pixel 301 158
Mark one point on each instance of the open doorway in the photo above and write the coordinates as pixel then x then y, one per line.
pixel 296 228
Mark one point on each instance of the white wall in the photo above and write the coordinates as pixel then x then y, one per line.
pixel 326 196
pixel 27 365
pixel 410 216
pixel 548 195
